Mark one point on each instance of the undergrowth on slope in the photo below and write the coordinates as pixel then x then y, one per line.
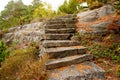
pixel 105 48
pixel 4 51
pixel 102 47
pixel 24 64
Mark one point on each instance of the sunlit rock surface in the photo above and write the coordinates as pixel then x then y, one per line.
pixel 95 21
pixel 27 33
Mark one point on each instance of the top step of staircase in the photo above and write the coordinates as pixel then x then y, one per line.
pixel 64 21
pixel 67 16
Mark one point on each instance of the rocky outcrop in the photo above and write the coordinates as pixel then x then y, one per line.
pixel 92 15
pixel 25 34
pixel 95 21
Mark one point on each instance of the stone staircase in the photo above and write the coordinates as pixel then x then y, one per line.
pixel 68 60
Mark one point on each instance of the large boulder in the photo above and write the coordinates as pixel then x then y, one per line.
pixel 95 21
pixel 88 16
pixel 100 26
pixel 92 15
pixel 25 34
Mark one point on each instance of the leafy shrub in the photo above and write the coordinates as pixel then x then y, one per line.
pixel 2 32
pixel 4 51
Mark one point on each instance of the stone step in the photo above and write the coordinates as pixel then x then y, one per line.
pixel 59 43
pixel 68 16
pixel 55 22
pixel 58 36
pixel 55 26
pixel 61 52
pixel 59 26
pixel 64 21
pixel 64 30
pixel 70 21
pixel 61 62
pixel 83 71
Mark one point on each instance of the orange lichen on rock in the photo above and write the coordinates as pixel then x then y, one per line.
pixel 77 46
pixel 55 74
pixel 83 25
pixel 62 68
pixel 81 67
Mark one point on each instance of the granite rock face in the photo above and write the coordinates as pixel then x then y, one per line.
pixel 27 33
pixel 92 15
pixel 100 26
pixel 90 19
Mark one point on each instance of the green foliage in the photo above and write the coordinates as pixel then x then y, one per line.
pixel 2 32
pixel 16 13
pixel 8 9
pixel 43 11
pixel 100 51
pixel 11 15
pixel 70 7
pixel 4 51
pixel 117 6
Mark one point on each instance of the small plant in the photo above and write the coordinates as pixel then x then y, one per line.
pixel 4 51
pixel 117 7
pixel 36 70
pixel 2 32
pixel 118 70
pixel 37 47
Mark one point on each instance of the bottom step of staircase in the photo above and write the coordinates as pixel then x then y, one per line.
pixel 84 71
pixel 56 63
